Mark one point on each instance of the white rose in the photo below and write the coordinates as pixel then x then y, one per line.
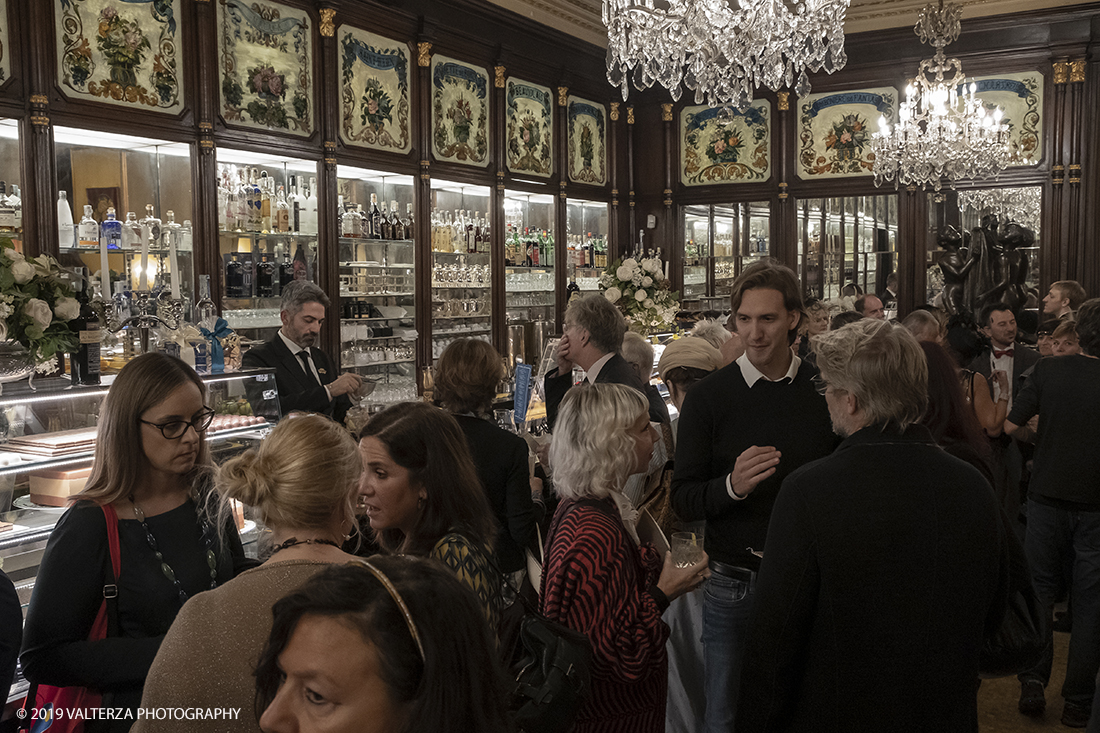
pixel 3 331
pixel 648 302
pixel 640 296
pixel 14 255
pixel 66 309
pixel 613 294
pixel 631 263
pixel 647 281
pixel 624 272
pixel 22 271
pixel 39 312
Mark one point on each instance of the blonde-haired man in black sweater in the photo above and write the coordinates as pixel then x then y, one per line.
pixel 742 431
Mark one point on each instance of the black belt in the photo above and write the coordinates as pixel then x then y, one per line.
pixel 732 571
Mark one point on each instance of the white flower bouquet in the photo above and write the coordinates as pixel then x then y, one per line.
pixel 640 290
pixel 36 305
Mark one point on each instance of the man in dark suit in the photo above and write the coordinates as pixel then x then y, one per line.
pixel 592 337
pixel 305 376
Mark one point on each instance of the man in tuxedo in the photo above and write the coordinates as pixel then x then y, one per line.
pixel 305 376
pixel 592 337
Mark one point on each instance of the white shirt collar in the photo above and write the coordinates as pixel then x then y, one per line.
pixel 294 348
pixel 752 375
pixel 591 374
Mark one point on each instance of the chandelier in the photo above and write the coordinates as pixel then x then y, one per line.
pixel 721 52
pixel 1021 205
pixel 943 129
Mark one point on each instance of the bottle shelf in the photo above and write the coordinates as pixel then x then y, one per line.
pixel 375 320
pixel 266 235
pixel 459 318
pixel 371 240
pixel 460 286
pixel 376 266
pixel 386 294
pixel 461 332
pixel 377 364
pixel 529 268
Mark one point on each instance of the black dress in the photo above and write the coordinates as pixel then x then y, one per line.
pixel 69 590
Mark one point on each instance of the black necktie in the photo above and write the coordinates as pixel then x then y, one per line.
pixel 304 356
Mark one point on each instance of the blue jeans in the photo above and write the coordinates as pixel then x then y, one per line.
pixel 1054 536
pixel 726 607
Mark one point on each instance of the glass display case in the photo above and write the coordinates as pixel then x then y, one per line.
pixel 586 228
pixel 377 284
pixel 267 235
pixel 529 257
pixel 124 211
pixel 461 264
pixel 850 241
pixel 719 242
pixel 697 248
pixel 11 205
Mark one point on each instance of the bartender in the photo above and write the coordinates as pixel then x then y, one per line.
pixel 305 376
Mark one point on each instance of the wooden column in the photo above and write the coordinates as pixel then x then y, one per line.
pixel 912 227
pixel 423 207
pixel 561 207
pixel 204 171
pixel 1055 252
pixel 672 254
pixel 328 225
pixel 1075 214
pixel 496 212
pixel 783 227
pixel 632 222
pixel 614 225
pixel 36 138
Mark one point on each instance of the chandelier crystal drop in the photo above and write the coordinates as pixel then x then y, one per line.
pixel 1021 205
pixel 943 130
pixel 722 52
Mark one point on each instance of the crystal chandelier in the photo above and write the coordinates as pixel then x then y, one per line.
pixel 1021 205
pixel 943 129
pixel 721 52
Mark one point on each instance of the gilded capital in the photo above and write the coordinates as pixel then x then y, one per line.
pixel 498 82
pixel 1077 71
pixel 784 101
pixel 563 95
pixel 615 111
pixel 666 112
pixel 328 28
pixel 424 53
pixel 630 115
pixel 1061 72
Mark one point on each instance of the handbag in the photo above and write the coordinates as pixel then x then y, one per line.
pixel 1018 642
pixel 43 700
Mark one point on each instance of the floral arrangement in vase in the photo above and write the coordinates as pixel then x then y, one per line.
pixel 641 291
pixel 36 305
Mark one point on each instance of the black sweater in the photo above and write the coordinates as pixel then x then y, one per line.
pixel 721 418
pixel 69 590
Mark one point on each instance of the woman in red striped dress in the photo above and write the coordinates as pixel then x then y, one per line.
pixel 598 578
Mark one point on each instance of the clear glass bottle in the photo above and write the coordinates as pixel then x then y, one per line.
pixel 266 190
pixel 282 211
pixel 187 237
pixel 131 232
pixel 286 271
pixel 407 222
pixel 205 313
pixel 17 207
pixel 88 231
pixel 309 218
pixel 296 204
pixel 65 229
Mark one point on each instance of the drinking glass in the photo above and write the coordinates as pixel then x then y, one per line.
pixel 687 548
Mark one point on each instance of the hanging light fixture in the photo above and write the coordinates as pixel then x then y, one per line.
pixel 1021 205
pixel 943 130
pixel 720 52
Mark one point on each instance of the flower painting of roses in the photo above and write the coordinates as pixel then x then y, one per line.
pixel 717 147
pixel 587 143
pixel 265 52
pixel 530 128
pixel 374 109
pixel 835 131
pixel 121 52
pixel 460 112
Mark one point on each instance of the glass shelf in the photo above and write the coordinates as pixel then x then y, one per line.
pixel 848 241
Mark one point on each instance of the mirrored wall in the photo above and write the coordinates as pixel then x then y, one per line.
pixel 848 241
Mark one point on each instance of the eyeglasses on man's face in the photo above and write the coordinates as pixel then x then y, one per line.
pixel 175 429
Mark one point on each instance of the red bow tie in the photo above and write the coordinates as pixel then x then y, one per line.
pixel 1009 352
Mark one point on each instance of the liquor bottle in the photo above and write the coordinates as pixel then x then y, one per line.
pixel 397 228
pixel 17 206
pixel 84 362
pixel 375 218
pixel 223 202
pixel 265 202
pixel 296 203
pixel 88 231
pixel 309 218
pixel 301 267
pixel 255 200
pixel 204 314
pixel 486 239
pixel 572 291
pixel 267 277
pixel 407 222
pixel 150 229
pixel 234 278
pixel 351 224
pixel 131 232
pixel 286 271
pixel 282 211
pixel 66 230
pixel 243 192
pixel 361 222
pixel 535 250
pixel 110 231
pixel 187 237
pixel 385 224
pixel 7 213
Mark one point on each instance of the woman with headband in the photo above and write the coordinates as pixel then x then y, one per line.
pixel 385 645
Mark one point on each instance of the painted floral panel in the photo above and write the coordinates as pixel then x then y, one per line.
pixel 713 152
pixel 1020 97
pixel 587 141
pixel 5 57
pixel 124 52
pixel 460 112
pixel 266 52
pixel 374 96
pixel 834 133
pixel 530 141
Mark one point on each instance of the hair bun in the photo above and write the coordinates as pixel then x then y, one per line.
pixel 243 478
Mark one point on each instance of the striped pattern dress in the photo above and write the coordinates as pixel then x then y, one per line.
pixel 596 580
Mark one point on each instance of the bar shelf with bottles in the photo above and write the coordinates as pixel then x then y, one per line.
pixel 529 257
pixel 586 227
pixel 267 234
pixel 697 252
pixel 849 240
pixel 377 284
pixel 11 204
pixel 461 302
pixel 108 181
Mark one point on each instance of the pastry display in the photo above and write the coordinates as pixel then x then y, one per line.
pixel 53 488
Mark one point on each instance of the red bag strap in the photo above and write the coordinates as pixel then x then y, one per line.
pixel 111 516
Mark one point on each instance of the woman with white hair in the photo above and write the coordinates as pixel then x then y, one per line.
pixel 598 578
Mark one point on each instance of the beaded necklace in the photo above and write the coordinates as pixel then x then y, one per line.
pixel 208 540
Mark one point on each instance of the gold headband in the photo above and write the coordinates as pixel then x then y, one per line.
pixel 392 590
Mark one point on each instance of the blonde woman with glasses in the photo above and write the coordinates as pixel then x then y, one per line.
pixel 302 481
pixel 150 475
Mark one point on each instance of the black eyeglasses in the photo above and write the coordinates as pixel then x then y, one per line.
pixel 175 429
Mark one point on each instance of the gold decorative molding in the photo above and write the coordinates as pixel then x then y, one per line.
pixel 498 82
pixel 206 127
pixel 784 101
pixel 614 192
pixel 1075 167
pixel 563 96
pixel 630 115
pixel 424 174
pixel 40 121
pixel 207 146
pixel 330 162
pixel 1077 71
pixel 1059 168
pixel 40 99
pixel 630 194
pixel 1075 181
pixel 328 28
pixel 424 53
pixel 783 191
pixel 666 112
pixel 1061 72
pixel 615 111
pixel 330 147
pixel 911 189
